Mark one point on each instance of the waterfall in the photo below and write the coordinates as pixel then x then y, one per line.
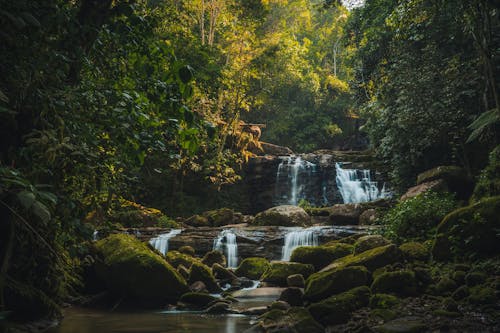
pixel 296 238
pixel 160 242
pixel 291 173
pixel 226 243
pixel 356 185
pixel 95 235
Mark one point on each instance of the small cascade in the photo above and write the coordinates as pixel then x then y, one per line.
pixel 160 242
pixel 356 185
pixel 290 184
pixel 226 243
pixel 95 235
pixel 296 238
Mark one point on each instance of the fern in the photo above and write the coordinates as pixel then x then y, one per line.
pixel 482 122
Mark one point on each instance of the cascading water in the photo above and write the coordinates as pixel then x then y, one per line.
pixel 160 242
pixel 292 170
pixel 356 185
pixel 296 238
pixel 95 235
pixel 226 243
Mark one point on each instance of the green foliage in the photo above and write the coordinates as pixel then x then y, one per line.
pixel 488 183
pixel 416 218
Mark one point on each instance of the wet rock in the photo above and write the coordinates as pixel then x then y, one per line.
pixel 286 215
pixel 175 258
pixel 369 242
pixel 295 280
pixel 482 294
pixel 198 287
pixel 214 257
pixel 222 273
pixel 197 299
pixel 383 301
pixel 371 259
pixel 438 185
pixel 368 217
pixel 399 282
pixel 345 214
pixel 456 179
pixel 252 268
pixel 278 272
pixel 201 272
pixel 414 251
pixel 291 320
pixel 254 311
pixel 187 250
pixel 320 256
pixel 292 296
pixel 279 305
pixel 219 307
pixel 402 325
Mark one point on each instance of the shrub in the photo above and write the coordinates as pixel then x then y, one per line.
pixel 488 183
pixel 416 218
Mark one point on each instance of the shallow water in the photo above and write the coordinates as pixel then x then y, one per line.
pixel 78 320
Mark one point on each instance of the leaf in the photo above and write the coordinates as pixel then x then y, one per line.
pixel 48 196
pixel 485 120
pixel 41 211
pixel 3 97
pixel 185 74
pixel 26 198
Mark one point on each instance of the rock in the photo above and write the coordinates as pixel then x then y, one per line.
pixel 222 273
pixel 371 259
pixel 337 309
pixel 219 217
pixel 279 305
pixel 445 286
pixel 198 287
pixel 264 292
pixel 456 178
pixel 324 284
pixel 183 271
pixel 399 282
pixel 402 325
pixel 197 221
pixel 292 296
pixel 219 307
pixel 383 301
pixel 214 257
pixel 272 149
pixel 469 230
pixel 474 278
pixel 482 294
pixel 286 215
pixel 295 280
pixel 345 214
pixel 252 268
pixel 320 256
pixel 131 215
pixel 255 310
pixel 460 293
pixel 175 258
pixel 130 268
pixel 414 251
pixel 291 320
pixel 369 242
pixel 368 217
pixel 196 299
pixel 187 250
pixel 345 240
pixel 437 185
pixel 201 272
pixel 278 272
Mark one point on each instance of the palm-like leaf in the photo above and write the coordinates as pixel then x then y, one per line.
pixel 485 120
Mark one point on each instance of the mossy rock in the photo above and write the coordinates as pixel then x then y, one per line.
pixel 320 256
pixel 214 257
pixel 474 278
pixel 371 259
pixel 278 272
pixel 324 284
pixel 482 295
pixel 369 242
pixel 219 217
pixel 469 231
pixel 337 309
pixel 402 325
pixel 294 319
pixel 286 215
pixel 383 301
pixel 414 251
pixel 197 300
pixel 183 271
pixel 399 282
pixel 175 258
pixel 131 215
pixel 252 268
pixel 187 250
pixel 197 221
pixel 203 273
pixel 445 286
pixel 131 269
pixel 456 179
pixel 222 273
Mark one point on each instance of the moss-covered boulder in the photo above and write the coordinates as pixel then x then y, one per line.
pixel 188 250
pixel 414 251
pixel 369 242
pixel 219 217
pixel 286 215
pixel 197 300
pixel 470 230
pixel 296 280
pixel 292 295
pixel 214 257
pixel 399 282
pixel 222 273
pixel 131 214
pixel 337 309
pixel 456 178
pixel 324 284
pixel 345 214
pixel 252 268
pixel 131 269
pixel 383 301
pixel 371 259
pixel 320 256
pixel 345 240
pixel 294 319
pixel 197 221
pixel 483 295
pixel 175 258
pixel 201 272
pixel 278 272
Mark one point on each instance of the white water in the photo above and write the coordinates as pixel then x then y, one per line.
pixel 226 243
pixel 356 185
pixel 160 242
pixel 95 235
pixel 296 238
pixel 294 167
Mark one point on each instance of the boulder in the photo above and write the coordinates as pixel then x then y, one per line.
pixel 201 272
pixel 296 280
pixel 219 217
pixel 252 268
pixel 437 185
pixel 414 251
pixel 272 149
pixel 369 217
pixel 320 256
pixel 345 214
pixel 218 308
pixel 197 300
pixel 279 271
pixel 197 221
pixel 292 320
pixel 183 271
pixel 456 178
pixel 131 269
pixel 214 257
pixel 383 301
pixel 286 215
pixel 175 258
pixel 222 273
pixel 402 325
pixel 292 296
pixel 187 250
pixel 469 230
pixel 399 282
pixel 369 242
pixel 198 287
pixel 337 309
pixel 324 284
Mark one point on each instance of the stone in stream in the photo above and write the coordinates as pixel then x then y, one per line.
pixel 279 271
pixel 295 319
pixel 285 215
pixel 399 282
pixel 320 256
pixel 252 268
pixel 213 257
pixel 295 280
pixel 222 273
pixel 201 272
pixel 292 295
pixel 196 299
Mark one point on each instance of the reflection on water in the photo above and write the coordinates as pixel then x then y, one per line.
pixel 79 320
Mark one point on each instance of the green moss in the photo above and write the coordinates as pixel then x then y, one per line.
pixel 130 268
pixel 199 300
pixel 197 221
pixel 187 250
pixel 324 284
pixel 213 257
pixel 222 273
pixel 488 183
pixel 371 259
pixel 346 240
pixel 219 217
pixel 414 251
pixel 482 294
pixel 337 309
pixel 252 268
pixel 203 273
pixel 279 271
pixel 398 282
pixel 445 286
pixel 383 301
pixel 292 320
pixel 320 256
pixel 384 314
pixel 369 242
pixel 175 258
